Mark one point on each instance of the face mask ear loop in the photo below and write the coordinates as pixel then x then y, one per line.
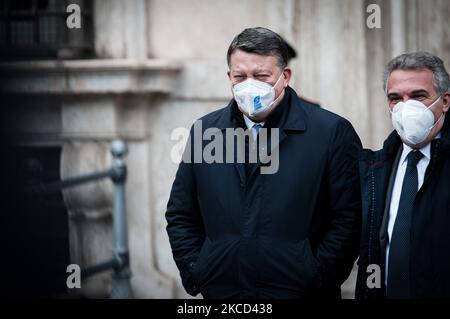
pixel 274 101
pixel 439 116
pixel 436 122
pixel 276 83
pixel 431 105
pixel 392 111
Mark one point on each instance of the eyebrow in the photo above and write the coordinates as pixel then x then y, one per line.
pixel 256 72
pixel 263 71
pixel 415 92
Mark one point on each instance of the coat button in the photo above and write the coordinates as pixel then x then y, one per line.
pixel 191 264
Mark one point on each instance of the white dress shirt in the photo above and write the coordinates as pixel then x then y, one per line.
pixel 250 125
pixel 397 189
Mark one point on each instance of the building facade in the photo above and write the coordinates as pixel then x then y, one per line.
pixel 153 66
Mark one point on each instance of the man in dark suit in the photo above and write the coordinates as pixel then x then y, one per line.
pixel 406 187
pixel 254 229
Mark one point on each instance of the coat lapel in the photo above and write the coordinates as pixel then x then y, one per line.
pixel 384 224
pixel 272 141
pixel 239 148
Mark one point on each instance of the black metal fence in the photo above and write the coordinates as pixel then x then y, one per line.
pixel 121 288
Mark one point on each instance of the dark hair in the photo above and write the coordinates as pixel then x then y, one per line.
pixel 291 51
pixel 420 61
pixel 261 41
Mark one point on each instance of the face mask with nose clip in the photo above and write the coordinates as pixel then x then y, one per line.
pixel 255 97
pixel 413 120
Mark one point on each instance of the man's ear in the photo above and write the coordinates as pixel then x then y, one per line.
pixel 446 100
pixel 229 74
pixel 287 73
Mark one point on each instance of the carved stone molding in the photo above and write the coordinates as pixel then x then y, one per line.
pixel 100 76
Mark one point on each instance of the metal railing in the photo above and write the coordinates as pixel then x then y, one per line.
pixel 121 288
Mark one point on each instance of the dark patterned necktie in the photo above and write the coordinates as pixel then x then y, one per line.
pixel 398 283
pixel 257 127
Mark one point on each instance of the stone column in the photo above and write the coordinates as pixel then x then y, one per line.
pixel 120 29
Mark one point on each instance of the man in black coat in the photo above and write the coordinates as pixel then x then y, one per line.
pixel 405 243
pixel 284 228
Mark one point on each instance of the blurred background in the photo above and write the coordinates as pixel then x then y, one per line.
pixel 138 69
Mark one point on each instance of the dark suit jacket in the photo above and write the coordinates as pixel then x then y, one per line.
pixel 430 233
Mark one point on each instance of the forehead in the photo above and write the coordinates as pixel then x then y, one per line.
pixel 244 61
pixel 404 81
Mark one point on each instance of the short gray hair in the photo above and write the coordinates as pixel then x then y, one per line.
pixel 420 61
pixel 261 41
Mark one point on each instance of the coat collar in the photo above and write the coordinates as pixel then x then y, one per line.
pixel 445 137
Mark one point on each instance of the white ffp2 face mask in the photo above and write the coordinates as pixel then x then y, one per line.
pixel 255 97
pixel 413 120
